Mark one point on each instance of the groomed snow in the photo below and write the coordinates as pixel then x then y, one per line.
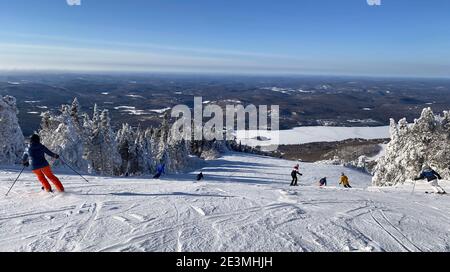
pixel 304 135
pixel 245 204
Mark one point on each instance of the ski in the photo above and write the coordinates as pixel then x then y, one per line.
pixel 436 193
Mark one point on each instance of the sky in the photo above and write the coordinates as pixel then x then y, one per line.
pixel 317 37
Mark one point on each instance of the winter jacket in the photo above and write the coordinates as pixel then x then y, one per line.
pixel 36 154
pixel 429 174
pixel 323 181
pixel 161 169
pixel 295 172
pixel 344 181
pixel 200 176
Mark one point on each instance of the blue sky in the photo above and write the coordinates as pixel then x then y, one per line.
pixel 336 37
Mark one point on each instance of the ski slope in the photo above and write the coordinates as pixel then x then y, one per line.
pixel 245 204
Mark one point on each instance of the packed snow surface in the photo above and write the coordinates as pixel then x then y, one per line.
pixel 245 204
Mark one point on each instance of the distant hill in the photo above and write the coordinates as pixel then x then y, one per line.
pixel 303 101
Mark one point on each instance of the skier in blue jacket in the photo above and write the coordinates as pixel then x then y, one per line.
pixel 34 156
pixel 432 177
pixel 159 171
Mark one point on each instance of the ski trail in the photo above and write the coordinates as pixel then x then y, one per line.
pixel 288 197
pixel 399 231
pixel 93 215
pixel 120 218
pixel 200 211
pixel 27 214
pixel 139 217
pixel 179 247
pixel 385 229
pixel 254 210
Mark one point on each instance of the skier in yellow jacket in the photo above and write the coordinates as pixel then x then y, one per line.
pixel 344 181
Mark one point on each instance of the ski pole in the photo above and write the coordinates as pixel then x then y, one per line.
pixel 64 161
pixel 15 181
pixel 414 187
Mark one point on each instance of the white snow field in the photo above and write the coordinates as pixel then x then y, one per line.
pixel 245 204
pixel 304 135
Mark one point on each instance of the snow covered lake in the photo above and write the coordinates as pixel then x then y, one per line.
pixel 304 135
pixel 245 204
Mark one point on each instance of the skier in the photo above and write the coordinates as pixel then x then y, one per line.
pixel 323 182
pixel 39 165
pixel 200 176
pixel 344 181
pixel 432 177
pixel 159 171
pixel 294 174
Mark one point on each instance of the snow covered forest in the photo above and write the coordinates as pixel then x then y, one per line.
pixel 426 141
pixel 90 144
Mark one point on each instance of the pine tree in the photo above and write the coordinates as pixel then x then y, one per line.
pixel 126 148
pixel 11 137
pixel 103 152
pixel 144 151
pixel 111 157
pixel 162 153
pixel 75 112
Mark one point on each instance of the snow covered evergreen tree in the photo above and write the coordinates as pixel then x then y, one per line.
pixel 91 144
pixel 426 141
pixel 126 141
pixel 169 148
pixel 162 155
pixel 64 135
pixel 208 149
pixel 144 151
pixel 85 144
pixel 136 150
pixel 109 148
pixel 178 153
pixel 11 136
pixel 102 152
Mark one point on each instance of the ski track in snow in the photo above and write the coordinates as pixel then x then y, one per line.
pixel 244 204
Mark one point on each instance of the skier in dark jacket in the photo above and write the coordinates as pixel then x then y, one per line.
pixel 294 174
pixel 323 182
pixel 432 177
pixel 200 176
pixel 35 156
pixel 159 171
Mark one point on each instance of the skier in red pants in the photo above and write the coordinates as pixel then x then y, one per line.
pixel 39 165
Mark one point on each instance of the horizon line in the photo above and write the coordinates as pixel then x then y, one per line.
pixel 207 73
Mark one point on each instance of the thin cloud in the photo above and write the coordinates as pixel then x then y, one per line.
pixel 41 56
pixel 59 53
pixel 150 46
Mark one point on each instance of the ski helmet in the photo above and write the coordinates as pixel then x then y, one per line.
pixel 35 139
